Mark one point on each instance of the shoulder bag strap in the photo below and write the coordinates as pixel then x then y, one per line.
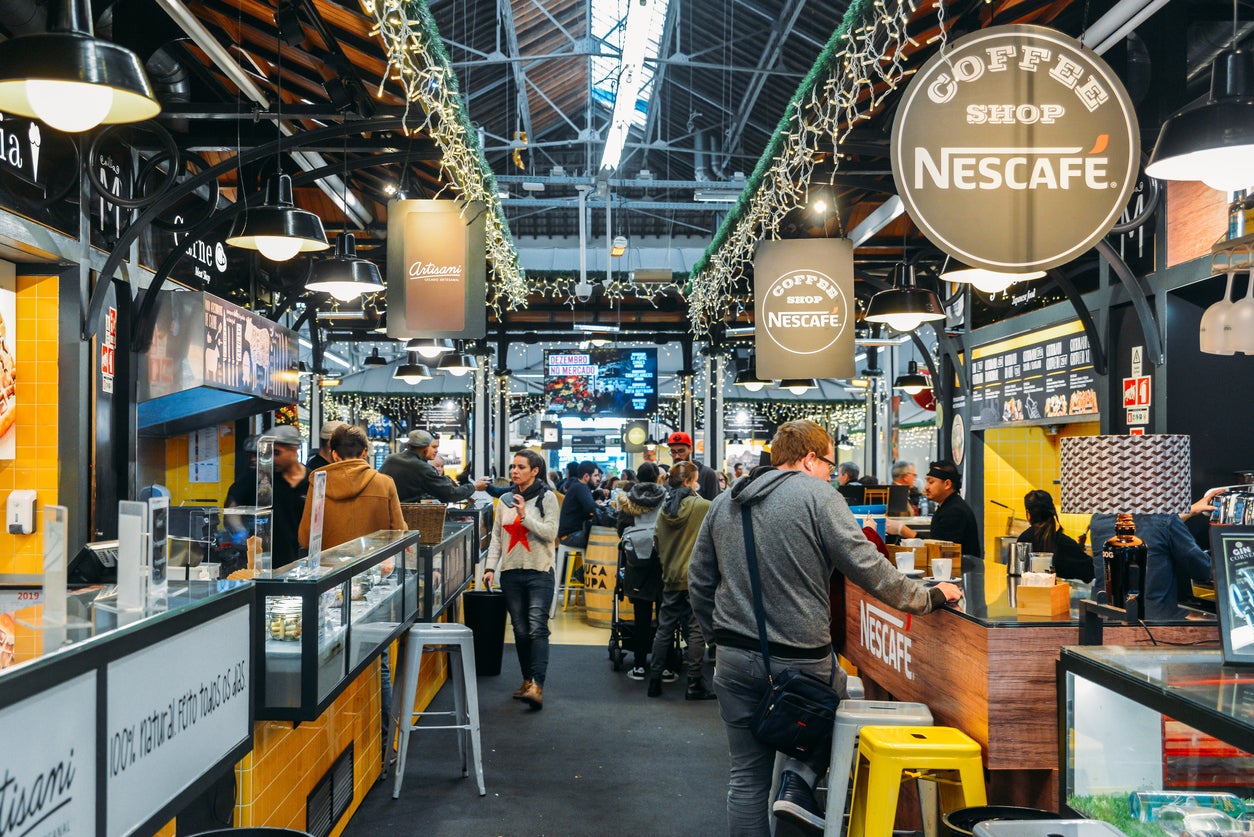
pixel 755 581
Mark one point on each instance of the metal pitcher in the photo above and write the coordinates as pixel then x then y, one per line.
pixel 1018 558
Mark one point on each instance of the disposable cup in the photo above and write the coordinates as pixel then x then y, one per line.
pixel 1040 562
pixel 942 567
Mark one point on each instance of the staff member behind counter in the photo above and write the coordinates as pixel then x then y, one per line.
pixel 416 478
pixel 953 520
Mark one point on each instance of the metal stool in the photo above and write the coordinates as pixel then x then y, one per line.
pixel 564 564
pixel 940 754
pixel 458 641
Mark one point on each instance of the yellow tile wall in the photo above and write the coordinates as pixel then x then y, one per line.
pixel 1022 459
pixel 38 418
pixel 178 471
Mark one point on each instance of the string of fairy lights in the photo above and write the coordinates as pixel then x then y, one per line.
pixel 861 66
pixel 561 287
pixel 418 62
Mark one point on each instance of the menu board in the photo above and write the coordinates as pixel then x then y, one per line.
pixel 247 353
pixel 1033 378
pixel 1232 548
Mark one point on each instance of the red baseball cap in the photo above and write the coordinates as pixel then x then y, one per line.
pixel 679 438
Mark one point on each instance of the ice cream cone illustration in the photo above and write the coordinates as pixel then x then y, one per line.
pixel 35 140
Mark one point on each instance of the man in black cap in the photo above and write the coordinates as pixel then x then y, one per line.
pixel 953 520
pixel 680 444
pixel 291 485
pixel 416 478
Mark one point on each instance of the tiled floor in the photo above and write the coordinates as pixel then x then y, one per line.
pixel 570 626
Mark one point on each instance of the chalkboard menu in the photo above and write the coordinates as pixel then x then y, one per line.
pixel 1034 378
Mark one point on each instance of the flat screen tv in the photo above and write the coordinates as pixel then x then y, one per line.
pixel 601 382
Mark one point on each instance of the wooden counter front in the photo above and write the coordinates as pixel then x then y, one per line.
pixel 994 680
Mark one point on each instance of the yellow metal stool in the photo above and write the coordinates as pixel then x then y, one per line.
pixel 888 755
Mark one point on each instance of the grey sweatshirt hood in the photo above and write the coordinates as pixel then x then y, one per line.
pixel 759 485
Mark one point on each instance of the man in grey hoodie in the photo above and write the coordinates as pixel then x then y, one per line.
pixel 803 532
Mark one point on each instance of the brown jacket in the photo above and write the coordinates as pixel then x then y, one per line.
pixel 359 501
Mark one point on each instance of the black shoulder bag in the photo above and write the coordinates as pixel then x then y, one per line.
pixel 798 711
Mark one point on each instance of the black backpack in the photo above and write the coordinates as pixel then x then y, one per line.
pixel 641 574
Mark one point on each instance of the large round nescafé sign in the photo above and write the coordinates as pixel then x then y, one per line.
pixel 1016 149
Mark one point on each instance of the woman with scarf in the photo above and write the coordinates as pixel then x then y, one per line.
pixel 676 532
pixel 523 535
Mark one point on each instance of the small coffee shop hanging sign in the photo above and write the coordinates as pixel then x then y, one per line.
pixel 1015 149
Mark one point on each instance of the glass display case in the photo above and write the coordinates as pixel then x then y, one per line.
pixel 452 563
pixel 318 627
pixel 480 516
pixel 1156 740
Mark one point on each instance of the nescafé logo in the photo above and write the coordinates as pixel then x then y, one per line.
pixel 805 311
pixel 1016 149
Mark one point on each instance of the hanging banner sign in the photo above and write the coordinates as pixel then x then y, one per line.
pixel 803 293
pixel 437 269
pixel 1016 149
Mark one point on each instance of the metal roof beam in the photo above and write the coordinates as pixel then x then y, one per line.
pixel 505 10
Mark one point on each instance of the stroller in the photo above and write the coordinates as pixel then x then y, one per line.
pixel 639 577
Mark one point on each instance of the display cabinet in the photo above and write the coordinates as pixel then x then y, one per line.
pixel 480 516
pixel 1145 728
pixel 452 562
pixel 317 627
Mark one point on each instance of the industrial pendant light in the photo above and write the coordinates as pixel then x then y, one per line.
pixel 988 281
pixel 747 377
pixel 375 359
pixel 344 276
pixel 458 364
pixel 71 80
pixel 412 372
pixel 911 383
pixel 844 443
pixel 904 307
pixel 277 229
pixel 1213 143
pixel 430 347
pixel 798 386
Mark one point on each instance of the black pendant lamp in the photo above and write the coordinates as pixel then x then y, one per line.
pixel 430 348
pixel 911 383
pixel 278 229
pixel 413 372
pixel 458 364
pixel 905 307
pixel 747 377
pixel 375 359
pixel 1213 143
pixel 71 80
pixel 798 386
pixel 344 276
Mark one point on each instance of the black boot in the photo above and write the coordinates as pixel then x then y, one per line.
pixel 697 690
pixel 655 687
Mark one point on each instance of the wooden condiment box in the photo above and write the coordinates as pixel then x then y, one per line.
pixel 1045 601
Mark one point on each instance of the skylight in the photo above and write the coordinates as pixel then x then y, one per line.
pixel 634 44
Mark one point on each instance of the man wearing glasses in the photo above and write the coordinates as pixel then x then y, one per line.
pixel 953 520
pixel 803 533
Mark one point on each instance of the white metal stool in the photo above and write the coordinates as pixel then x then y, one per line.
pixel 851 716
pixel 564 566
pixel 458 641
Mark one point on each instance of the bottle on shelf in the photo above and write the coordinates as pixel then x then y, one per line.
pixel 1236 215
pixel 1124 557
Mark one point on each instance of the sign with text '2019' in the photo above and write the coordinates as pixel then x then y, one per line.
pixel 1016 149
pixel 437 269
pixel 803 293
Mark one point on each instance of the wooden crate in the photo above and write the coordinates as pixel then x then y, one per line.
pixel 1045 601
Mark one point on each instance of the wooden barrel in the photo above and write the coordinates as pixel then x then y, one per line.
pixel 600 565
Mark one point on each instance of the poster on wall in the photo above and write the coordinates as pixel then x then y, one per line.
pixel 438 275
pixel 8 363
pixel 1233 549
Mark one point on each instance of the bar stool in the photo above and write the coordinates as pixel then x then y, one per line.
pixel 932 753
pixel 564 564
pixel 875 496
pixel 458 641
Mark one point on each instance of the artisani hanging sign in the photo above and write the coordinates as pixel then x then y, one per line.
pixel 437 269
pixel 803 296
pixel 1016 149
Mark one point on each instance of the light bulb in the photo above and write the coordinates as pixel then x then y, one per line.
pixel 430 352
pixel 820 206
pixel 755 386
pixel 343 291
pixel 69 106
pixel 799 389
pixel 412 379
pixel 912 389
pixel 905 322
pixel 458 371
pixel 277 248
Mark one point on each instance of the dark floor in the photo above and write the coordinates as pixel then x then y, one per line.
pixel 600 759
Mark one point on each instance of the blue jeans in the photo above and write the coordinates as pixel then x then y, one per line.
pixel 740 682
pixel 528 595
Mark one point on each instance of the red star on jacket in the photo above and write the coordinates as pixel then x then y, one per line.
pixel 517 535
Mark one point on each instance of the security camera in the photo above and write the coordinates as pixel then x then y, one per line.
pixel 583 291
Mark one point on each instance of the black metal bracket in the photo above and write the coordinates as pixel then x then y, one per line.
pixel 1094 616
pixel 1086 319
pixel 1153 346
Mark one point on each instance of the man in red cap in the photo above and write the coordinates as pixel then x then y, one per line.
pixel 680 444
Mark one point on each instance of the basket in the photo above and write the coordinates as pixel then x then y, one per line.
pixel 427 518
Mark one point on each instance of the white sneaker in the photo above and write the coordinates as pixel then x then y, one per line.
pixel 669 676
pixel 638 673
